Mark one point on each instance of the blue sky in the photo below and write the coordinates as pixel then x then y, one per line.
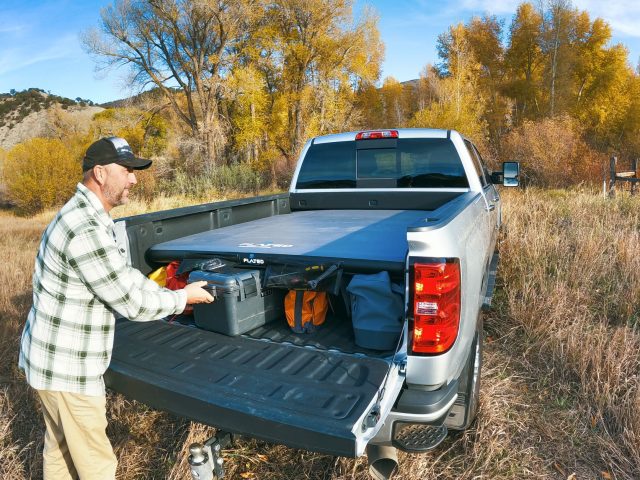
pixel 40 47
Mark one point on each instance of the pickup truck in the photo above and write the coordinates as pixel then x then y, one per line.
pixel 416 203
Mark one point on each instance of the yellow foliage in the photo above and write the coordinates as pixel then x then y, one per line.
pixel 552 153
pixel 369 105
pixel 3 189
pixel 249 120
pixel 458 105
pixel 445 115
pixel 144 131
pixel 40 173
pixel 394 103
pixel 458 101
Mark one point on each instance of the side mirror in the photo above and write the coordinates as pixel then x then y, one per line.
pixel 508 176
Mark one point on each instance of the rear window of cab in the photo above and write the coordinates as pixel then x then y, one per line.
pixel 382 163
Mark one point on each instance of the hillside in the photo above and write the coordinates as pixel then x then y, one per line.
pixel 30 113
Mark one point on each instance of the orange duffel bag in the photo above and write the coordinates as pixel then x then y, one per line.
pixel 306 310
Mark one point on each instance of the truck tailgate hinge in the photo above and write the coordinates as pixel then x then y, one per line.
pixel 372 419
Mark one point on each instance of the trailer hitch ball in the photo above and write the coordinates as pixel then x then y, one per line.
pixel 205 460
pixel 200 462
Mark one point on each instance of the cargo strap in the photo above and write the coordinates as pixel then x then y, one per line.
pixel 298 326
pixel 297 312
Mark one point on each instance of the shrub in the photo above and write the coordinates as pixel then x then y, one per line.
pixel 237 178
pixel 467 120
pixel 4 201
pixel 552 153
pixel 39 174
pixel 147 183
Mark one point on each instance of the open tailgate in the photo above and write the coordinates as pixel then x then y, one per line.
pixel 296 396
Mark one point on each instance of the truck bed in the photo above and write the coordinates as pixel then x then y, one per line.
pixel 279 392
pixel 360 240
pixel 336 333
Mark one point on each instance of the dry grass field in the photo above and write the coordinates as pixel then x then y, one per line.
pixel 561 381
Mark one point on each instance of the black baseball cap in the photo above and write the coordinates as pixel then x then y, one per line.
pixel 112 150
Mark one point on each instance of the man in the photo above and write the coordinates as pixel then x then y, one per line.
pixel 81 280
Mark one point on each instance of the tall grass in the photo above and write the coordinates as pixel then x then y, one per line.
pixel 561 381
pixel 18 242
pixel 571 284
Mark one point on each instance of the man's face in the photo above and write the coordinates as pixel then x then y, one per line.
pixel 118 181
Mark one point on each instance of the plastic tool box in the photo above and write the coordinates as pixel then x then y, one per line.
pixel 241 304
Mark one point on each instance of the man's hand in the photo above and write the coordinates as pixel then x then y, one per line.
pixel 197 294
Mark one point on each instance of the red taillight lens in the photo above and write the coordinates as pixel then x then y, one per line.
pixel 377 134
pixel 436 306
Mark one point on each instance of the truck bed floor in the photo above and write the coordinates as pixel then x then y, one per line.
pixel 335 334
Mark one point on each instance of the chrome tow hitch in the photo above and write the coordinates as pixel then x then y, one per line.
pixel 205 460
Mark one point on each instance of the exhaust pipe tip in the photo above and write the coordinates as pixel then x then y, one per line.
pixel 383 461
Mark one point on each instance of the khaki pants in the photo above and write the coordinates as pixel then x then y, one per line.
pixel 76 443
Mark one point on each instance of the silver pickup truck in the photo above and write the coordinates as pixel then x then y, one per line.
pixel 418 204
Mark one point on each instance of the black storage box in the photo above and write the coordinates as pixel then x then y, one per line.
pixel 241 304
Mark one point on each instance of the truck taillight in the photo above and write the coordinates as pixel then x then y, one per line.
pixel 436 305
pixel 374 134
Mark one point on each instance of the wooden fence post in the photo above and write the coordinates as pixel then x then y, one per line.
pixel 634 168
pixel 612 176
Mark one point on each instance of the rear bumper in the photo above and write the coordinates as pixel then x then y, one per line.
pixel 417 406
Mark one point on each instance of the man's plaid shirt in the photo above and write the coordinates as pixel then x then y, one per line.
pixel 81 279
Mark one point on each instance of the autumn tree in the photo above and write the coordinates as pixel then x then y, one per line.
pixel 555 43
pixel 458 62
pixel 395 103
pixel 629 134
pixel 248 103
pixel 146 132
pixel 184 47
pixel 426 88
pixel 524 63
pixel 251 79
pixel 318 59
pixel 485 38
pixel 601 83
pixel 459 104
pixel 558 61
pixel 369 104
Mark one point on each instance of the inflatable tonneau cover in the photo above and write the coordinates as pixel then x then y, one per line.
pixel 359 240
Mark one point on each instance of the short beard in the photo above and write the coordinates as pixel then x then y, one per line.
pixel 113 197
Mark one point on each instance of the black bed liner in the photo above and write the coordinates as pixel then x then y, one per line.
pixel 336 333
pixel 283 393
